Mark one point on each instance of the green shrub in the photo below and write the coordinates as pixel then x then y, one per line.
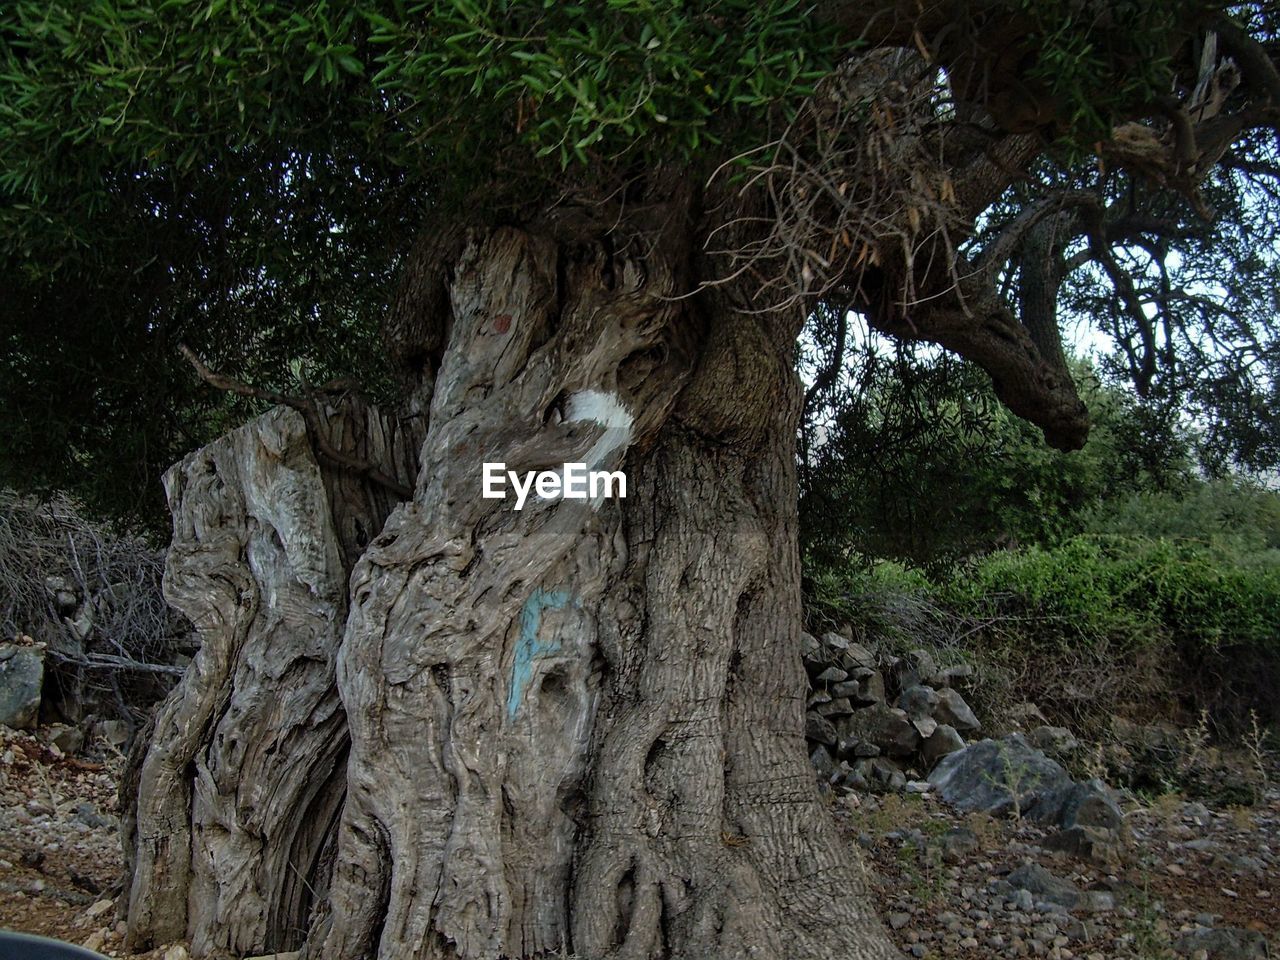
pixel 1134 592
pixel 1097 625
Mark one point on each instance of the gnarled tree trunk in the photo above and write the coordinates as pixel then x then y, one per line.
pixel 574 727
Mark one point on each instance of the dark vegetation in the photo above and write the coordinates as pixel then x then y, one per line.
pixel 1121 579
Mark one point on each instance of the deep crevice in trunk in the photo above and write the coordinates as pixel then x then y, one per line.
pixel 574 726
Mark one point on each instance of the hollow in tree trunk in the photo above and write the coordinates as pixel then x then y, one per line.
pixel 577 726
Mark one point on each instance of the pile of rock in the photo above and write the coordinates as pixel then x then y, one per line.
pixel 1011 777
pixel 881 724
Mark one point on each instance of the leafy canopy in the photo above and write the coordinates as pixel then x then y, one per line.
pixel 247 176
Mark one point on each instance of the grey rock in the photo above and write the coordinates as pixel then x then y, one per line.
pixel 831 675
pixel 21 681
pixel 1058 740
pixel 1043 885
pixel 954 712
pixel 997 776
pixel 918 701
pixel 925 726
pixel 819 729
pixel 856 656
pixel 942 741
pixel 1224 943
pixel 893 732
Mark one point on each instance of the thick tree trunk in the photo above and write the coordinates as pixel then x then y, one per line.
pixel 573 727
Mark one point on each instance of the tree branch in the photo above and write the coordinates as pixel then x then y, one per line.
pixel 310 415
pixel 1255 63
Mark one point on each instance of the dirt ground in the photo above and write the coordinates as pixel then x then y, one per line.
pixel 1185 869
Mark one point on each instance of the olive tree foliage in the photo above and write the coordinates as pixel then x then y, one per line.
pixel 421 723
pixel 247 177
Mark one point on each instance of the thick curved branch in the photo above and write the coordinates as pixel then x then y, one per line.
pixel 1015 232
pixel 1253 59
pixel 310 414
pixel 969 318
pixel 1039 277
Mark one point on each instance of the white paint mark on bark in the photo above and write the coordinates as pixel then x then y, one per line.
pixel 607 411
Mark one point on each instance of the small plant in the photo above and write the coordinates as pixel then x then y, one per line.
pixel 1014 779
pixel 1254 740
pixel 922 869
pixel 1149 930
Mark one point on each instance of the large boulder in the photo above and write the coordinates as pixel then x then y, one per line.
pixel 1088 804
pixel 21 680
pixel 998 776
pixel 1224 943
pixel 951 709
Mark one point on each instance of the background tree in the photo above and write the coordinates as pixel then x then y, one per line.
pixel 916 461
pixel 421 724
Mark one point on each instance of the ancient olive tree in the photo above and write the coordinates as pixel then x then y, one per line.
pixel 425 724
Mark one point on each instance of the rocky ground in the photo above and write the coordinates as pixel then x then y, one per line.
pixel 1188 881
pixel 60 860
pixel 1202 882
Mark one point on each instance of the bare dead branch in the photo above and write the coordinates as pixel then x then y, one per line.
pixel 310 413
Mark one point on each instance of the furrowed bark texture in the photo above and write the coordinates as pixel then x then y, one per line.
pixel 243 779
pixel 577 726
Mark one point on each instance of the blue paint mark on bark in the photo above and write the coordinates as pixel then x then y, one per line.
pixel 529 647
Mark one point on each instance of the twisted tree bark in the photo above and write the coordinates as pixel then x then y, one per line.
pixel 573 727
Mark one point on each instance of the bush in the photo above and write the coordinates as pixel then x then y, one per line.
pixel 1136 592
pixel 92 596
pixel 1100 624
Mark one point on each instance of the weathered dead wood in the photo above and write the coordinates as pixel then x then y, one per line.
pixel 244 776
